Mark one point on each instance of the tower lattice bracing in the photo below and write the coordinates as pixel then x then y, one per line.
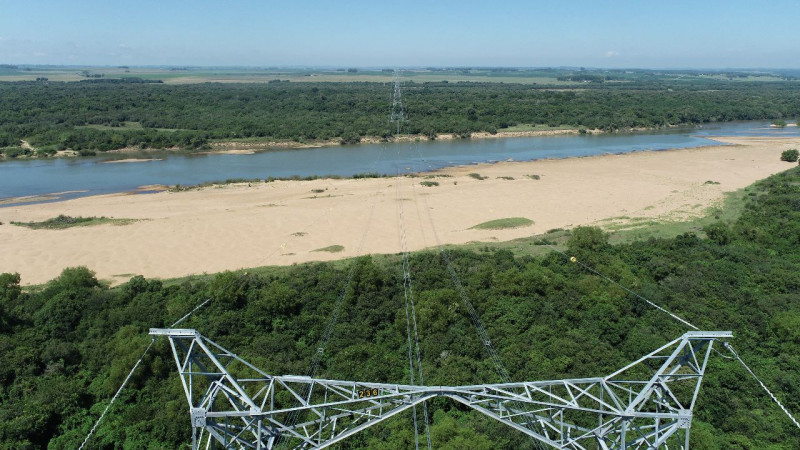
pixel 646 404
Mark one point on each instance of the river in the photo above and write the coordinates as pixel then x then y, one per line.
pixel 91 176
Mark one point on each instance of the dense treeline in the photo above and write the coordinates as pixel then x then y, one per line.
pixel 66 347
pixel 92 115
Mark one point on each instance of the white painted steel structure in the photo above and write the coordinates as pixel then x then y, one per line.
pixel 645 405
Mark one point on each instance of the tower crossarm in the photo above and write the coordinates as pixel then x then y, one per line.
pixel 646 404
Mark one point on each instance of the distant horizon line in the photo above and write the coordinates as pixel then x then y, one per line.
pixel 385 67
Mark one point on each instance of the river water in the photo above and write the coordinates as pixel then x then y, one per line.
pixel 92 176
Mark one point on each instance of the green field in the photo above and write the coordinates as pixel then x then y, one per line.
pixel 557 77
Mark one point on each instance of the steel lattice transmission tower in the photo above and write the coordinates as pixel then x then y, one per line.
pixel 397 116
pixel 645 405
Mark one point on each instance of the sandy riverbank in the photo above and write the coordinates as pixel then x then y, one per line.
pixel 283 222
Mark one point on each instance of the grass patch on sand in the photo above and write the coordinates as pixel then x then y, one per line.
pixel 429 183
pixel 502 224
pixel 61 222
pixel 640 229
pixel 330 249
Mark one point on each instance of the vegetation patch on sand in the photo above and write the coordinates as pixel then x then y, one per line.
pixel 790 155
pixel 330 249
pixel 502 224
pixel 61 222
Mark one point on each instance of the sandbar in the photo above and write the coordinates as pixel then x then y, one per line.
pixel 245 225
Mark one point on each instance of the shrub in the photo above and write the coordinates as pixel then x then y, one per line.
pixel 429 183
pixel 587 239
pixel 14 152
pixel 718 232
pixel 350 138
pixel 367 175
pixel 330 249
pixel 790 155
pixel 477 176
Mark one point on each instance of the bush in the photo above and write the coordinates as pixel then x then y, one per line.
pixel 350 138
pixel 14 152
pixel 790 155
pixel 588 239
pixel 718 232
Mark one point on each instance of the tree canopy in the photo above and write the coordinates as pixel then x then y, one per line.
pixel 65 347
pixel 101 115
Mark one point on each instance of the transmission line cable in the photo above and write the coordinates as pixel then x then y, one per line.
pixel 683 321
pixel 408 288
pixel 411 315
pixel 476 321
pixel 763 386
pixel 114 398
pixel 139 361
pixel 687 323
pixel 334 318
pixel 190 313
pixel 316 219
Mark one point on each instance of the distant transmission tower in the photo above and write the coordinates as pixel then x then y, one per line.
pixel 397 103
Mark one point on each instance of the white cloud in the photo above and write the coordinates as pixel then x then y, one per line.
pixel 612 53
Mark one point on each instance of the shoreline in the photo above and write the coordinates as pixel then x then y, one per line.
pixel 55 196
pixel 245 147
pixel 230 227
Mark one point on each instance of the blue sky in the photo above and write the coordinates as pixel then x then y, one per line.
pixel 648 34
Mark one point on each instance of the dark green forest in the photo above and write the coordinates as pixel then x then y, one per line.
pixel 66 346
pixel 98 115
